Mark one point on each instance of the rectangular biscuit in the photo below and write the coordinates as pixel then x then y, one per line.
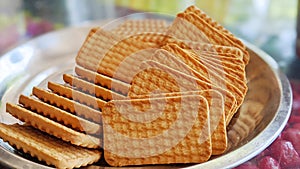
pixel 216 113
pixel 195 61
pixel 53 128
pixel 216 75
pixel 211 35
pixel 45 148
pixel 92 89
pixel 73 94
pixel 133 27
pixel 227 58
pixel 143 24
pixel 68 105
pixel 102 80
pixel 104 52
pixel 61 116
pixel 214 24
pixel 201 47
pixel 228 63
pixel 158 77
pixel 174 130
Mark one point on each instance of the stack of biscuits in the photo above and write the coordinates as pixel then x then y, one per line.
pixel 146 92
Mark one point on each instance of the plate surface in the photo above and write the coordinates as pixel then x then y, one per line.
pixel 48 56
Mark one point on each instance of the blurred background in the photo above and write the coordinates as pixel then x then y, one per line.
pixel 269 24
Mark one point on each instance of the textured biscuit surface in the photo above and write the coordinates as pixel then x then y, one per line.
pixel 47 148
pixel 166 80
pixel 66 104
pixel 216 114
pixel 174 132
pixel 59 115
pixel 74 94
pixel 53 128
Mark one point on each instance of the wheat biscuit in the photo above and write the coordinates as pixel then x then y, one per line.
pixel 208 48
pixel 195 61
pixel 53 128
pixel 67 105
pixel 213 75
pixel 231 69
pixel 143 24
pixel 105 57
pixel 134 27
pixel 217 55
pixel 229 59
pixel 228 63
pixel 216 113
pixel 216 75
pixel 95 46
pixel 167 58
pixel 214 36
pixel 102 80
pixel 178 134
pixel 158 77
pixel 61 116
pixel 46 148
pixel 74 94
pixel 92 89
pixel 216 25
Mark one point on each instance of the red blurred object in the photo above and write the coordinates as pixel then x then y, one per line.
pixel 293 135
pixel 268 162
pixel 35 27
pixel 284 152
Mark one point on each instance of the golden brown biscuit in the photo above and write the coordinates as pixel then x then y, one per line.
pixel 188 24
pixel 53 128
pixel 67 105
pixel 216 25
pixel 59 115
pixel 92 89
pixel 174 132
pixel 102 80
pixel 74 94
pixel 46 148
pixel 216 113
pixel 158 77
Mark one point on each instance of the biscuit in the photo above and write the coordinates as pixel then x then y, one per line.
pixel 167 58
pixel 74 94
pixel 179 132
pixel 208 48
pixel 45 148
pixel 229 64
pixel 102 80
pixel 216 113
pixel 216 75
pixel 92 89
pixel 59 115
pixel 67 105
pixel 227 58
pixel 216 25
pixel 106 57
pixel 53 128
pixel 213 35
pixel 158 77
pixel 207 70
pixel 141 26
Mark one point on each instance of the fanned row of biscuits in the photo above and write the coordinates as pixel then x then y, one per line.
pixel 145 93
